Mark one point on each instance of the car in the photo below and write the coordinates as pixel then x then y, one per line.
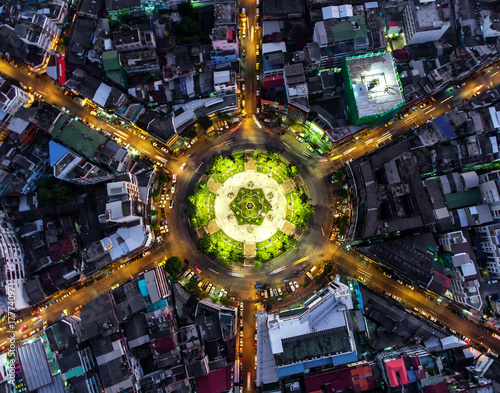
pixel 299 139
pixel 142 136
pixel 173 189
pixel 174 178
pixel 242 87
pixel 241 306
pixel 23 328
pixel 164 149
pixel 198 270
pixel 171 206
pixel 310 148
pixel 279 291
pixel 296 285
pixel 258 93
pixel 183 165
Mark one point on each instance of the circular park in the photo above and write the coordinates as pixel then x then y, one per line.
pixel 248 208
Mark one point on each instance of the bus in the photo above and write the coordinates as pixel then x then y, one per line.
pixel 37 322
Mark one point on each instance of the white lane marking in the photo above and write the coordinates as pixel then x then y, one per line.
pixel 212 270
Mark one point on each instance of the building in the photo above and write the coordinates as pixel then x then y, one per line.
pixel 296 87
pixel 11 97
pixel 132 38
pixel 140 61
pixel 73 168
pixel 373 89
pixel 12 260
pixel 423 22
pixel 487 245
pixel 318 334
pixel 464 284
pixel 37 30
pixel 225 82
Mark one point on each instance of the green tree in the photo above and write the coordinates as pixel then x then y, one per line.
pixel 327 268
pixel 172 266
pixel 224 301
pixel 257 265
pixel 186 9
pixel 192 287
pixel 156 226
pixel 292 171
pixel 163 178
pixel 53 191
pixel 305 283
pixel 187 28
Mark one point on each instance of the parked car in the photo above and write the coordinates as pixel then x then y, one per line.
pixel 171 206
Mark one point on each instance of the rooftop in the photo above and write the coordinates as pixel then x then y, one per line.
pixel 375 83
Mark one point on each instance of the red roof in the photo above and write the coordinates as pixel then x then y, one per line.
pixel 216 381
pixel 394 23
pixel 440 387
pixel 360 378
pixel 229 34
pixel 273 81
pixel 396 371
pixel 400 54
pixel 164 344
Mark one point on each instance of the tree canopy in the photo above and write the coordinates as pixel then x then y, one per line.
pixel 172 266
pixel 54 192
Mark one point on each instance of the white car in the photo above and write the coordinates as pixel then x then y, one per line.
pixel 174 178
pixel 183 165
pixel 296 285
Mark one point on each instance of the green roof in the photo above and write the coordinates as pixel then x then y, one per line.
pixel 57 126
pixel 116 77
pixel 110 60
pixel 74 372
pixel 462 199
pixel 343 31
pixel 81 138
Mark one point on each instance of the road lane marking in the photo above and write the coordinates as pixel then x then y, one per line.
pixel 286 144
pixel 144 150
pixel 300 261
pixel 368 141
pixel 277 270
pixel 323 231
pixel 450 97
pixel 212 270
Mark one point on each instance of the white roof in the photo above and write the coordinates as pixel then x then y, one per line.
pixel 334 11
pixel 222 77
pixel 451 342
pixel 101 95
pixel 468 270
pixel 271 47
pixel 327 312
pixel 18 125
pixel 470 179
pixel 270 27
pixel 134 237
pixel 115 209
pixel 116 188
pixel 460 259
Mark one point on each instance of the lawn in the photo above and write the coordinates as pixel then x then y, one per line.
pixel 250 206
pixel 201 206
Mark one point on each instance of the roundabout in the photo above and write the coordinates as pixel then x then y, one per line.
pixel 249 208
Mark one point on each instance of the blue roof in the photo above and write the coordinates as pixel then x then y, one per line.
pixel 56 152
pixel 445 127
pixel 226 319
pixel 143 288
